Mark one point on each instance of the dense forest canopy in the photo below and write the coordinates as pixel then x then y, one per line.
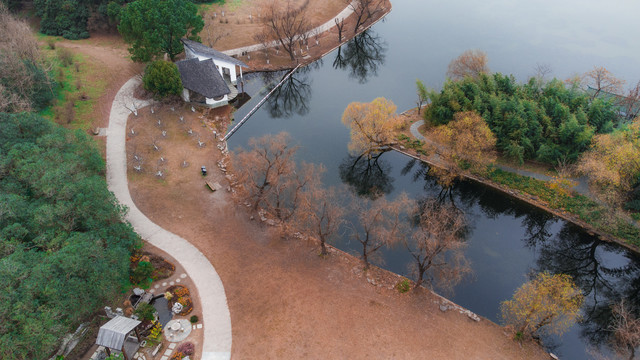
pixel 64 250
pixel 547 122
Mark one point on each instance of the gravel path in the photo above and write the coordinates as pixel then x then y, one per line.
pixel 215 311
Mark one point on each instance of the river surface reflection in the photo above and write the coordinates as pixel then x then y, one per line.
pixel 508 239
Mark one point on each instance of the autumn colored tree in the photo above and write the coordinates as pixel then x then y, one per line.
pixel 625 327
pixel 372 125
pixel 468 141
pixel 613 161
pixel 600 79
pixel 379 223
pixel 469 63
pixel 285 23
pixel 549 303
pixel 320 214
pixel 437 246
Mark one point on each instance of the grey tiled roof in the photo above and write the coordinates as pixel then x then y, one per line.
pixel 202 77
pixel 113 333
pixel 203 50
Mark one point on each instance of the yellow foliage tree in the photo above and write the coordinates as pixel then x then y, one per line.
pixel 613 161
pixel 467 144
pixel 469 140
pixel 548 302
pixel 372 125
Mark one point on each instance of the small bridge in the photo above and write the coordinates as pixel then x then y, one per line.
pixel 255 108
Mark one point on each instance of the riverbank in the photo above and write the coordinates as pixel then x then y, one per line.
pixel 568 205
pixel 323 39
pixel 286 301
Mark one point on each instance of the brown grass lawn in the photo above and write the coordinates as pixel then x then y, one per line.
pixel 237 29
pixel 285 301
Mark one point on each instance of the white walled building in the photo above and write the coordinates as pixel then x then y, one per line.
pixel 209 77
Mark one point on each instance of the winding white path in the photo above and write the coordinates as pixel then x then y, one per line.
pixel 215 312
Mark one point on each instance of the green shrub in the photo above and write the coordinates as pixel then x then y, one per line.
pixel 146 311
pixel 403 286
pixel 142 272
pixel 193 319
pixel 162 78
pixel 63 18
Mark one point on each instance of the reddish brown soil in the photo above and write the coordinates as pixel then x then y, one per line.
pixel 240 31
pixel 285 300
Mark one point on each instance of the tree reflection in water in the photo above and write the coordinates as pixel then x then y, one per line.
pixel 362 56
pixel 367 175
pixel 605 272
pixel 293 96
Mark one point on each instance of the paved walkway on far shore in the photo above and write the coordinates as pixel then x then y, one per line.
pixel 581 186
pixel 215 311
pixel 318 30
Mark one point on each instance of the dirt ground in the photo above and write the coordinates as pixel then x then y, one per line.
pixel 240 31
pixel 285 300
pixel 242 20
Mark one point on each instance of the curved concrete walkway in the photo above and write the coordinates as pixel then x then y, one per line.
pixel 318 30
pixel 581 186
pixel 215 312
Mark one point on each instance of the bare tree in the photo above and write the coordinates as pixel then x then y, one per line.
pixel 631 103
pixel 626 330
pixel 542 71
pixel 320 214
pixel 184 158
pixel 287 193
pixel 269 160
pixel 600 79
pixel 469 63
pixel 436 245
pixel 364 10
pixel 379 223
pixel 271 178
pixel 285 24
pixel 339 26
pixel 214 31
pixel 264 40
pixel 154 141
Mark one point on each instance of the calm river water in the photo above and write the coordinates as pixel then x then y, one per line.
pixel 509 239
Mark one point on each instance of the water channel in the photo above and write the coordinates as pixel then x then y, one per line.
pixel 509 239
